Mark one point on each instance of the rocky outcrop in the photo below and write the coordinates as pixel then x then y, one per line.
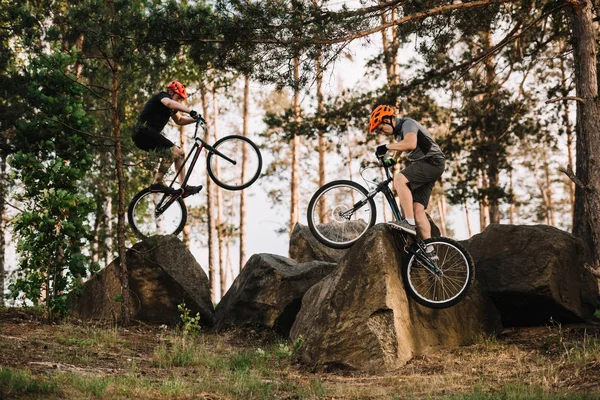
pixel 534 274
pixel 360 317
pixel 162 274
pixel 268 293
pixel 305 247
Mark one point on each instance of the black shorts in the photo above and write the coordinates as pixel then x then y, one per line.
pixel 149 139
pixel 422 176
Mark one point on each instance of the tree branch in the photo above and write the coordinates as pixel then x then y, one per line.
pixel 569 172
pixel 579 99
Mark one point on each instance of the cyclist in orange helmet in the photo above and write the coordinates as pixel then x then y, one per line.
pixel 426 165
pixel 152 120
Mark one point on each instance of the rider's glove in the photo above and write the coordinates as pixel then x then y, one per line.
pixel 381 150
pixel 195 115
pixel 389 162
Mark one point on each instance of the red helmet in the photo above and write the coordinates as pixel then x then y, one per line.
pixel 178 88
pixel 377 116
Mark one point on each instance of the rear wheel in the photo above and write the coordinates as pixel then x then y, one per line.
pixel 445 288
pixel 340 213
pixel 156 213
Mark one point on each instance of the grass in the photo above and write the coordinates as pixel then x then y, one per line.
pixel 71 361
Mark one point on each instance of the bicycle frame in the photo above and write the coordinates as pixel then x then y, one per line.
pixel 197 148
pixel 384 187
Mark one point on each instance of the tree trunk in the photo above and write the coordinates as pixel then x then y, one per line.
pixel 182 141
pixel 295 149
pixel 587 218
pixel 245 166
pixel 220 218
pixel 568 131
pixel 2 226
pixel 390 49
pixel 468 219
pixel 322 142
pixel 123 273
pixel 209 212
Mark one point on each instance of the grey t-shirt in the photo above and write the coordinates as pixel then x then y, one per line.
pixel 426 146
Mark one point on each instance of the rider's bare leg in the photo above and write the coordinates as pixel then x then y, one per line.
pixel 176 155
pixel 404 194
pixel 422 221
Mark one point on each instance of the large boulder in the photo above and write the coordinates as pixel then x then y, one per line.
pixel 360 317
pixel 305 247
pixel 268 292
pixel 162 274
pixel 534 274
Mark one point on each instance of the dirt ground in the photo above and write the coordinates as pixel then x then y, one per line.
pixel 556 361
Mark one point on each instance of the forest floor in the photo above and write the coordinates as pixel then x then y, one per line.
pixel 75 360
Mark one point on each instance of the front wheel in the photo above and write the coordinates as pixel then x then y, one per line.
pixel 241 165
pixel 446 287
pixel 156 213
pixel 340 213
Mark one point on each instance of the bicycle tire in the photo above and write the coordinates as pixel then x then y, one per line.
pixel 328 225
pixel 145 223
pixel 238 176
pixel 434 291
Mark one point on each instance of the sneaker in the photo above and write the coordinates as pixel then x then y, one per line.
pixel 161 187
pixel 430 252
pixel 190 190
pixel 403 225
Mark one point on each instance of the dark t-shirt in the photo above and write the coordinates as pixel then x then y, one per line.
pixel 155 114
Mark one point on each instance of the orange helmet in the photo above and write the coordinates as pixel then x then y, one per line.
pixel 377 116
pixel 178 88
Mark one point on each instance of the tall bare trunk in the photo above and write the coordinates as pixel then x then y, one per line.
pixel 123 271
pixel 209 211
pixel 3 192
pixel 322 143
pixel 295 150
pixel 220 218
pixel 390 48
pixel 569 133
pixel 245 166
pixel 182 141
pixel 468 219
pixel 511 212
pixel 587 218
pixel 483 204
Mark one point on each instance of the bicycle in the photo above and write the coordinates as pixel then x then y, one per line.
pixel 342 211
pixel 163 211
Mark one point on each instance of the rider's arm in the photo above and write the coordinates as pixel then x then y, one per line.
pixel 407 144
pixel 178 118
pixel 182 119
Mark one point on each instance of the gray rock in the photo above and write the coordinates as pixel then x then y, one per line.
pixel 162 274
pixel 360 317
pixel 534 274
pixel 267 293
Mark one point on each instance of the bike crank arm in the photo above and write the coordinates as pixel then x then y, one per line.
pixel 424 260
pixel 161 208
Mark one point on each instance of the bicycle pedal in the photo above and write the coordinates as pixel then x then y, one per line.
pixel 191 190
pixel 157 188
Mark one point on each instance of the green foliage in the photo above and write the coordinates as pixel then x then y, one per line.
pixel 52 158
pixel 190 324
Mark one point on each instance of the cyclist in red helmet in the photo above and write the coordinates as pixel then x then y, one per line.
pixel 152 120
pixel 426 165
